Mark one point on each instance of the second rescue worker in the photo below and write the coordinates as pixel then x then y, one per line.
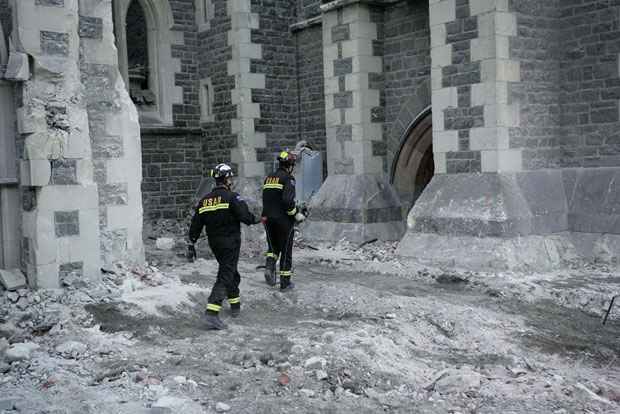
pixel 280 214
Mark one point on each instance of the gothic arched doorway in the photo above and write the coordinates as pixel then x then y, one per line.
pixel 413 165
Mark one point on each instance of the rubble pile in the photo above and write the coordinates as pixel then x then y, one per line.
pixel 351 338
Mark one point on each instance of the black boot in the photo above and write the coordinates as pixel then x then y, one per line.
pixel 235 310
pixel 286 284
pixel 214 322
pixel 270 271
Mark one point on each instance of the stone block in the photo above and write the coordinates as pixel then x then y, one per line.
pixel 529 253
pixel 18 67
pixel 509 160
pixel 54 43
pixel 12 279
pixel 438 35
pixel 113 194
pixel 91 27
pixel 50 3
pixel 357 47
pixel 441 56
pixel 442 12
pixel 373 64
pixel 445 141
pixel 355 201
pixel 491 205
pixel 64 172
pixel 440 161
pixel 477 7
pixel 67 223
pixel 35 172
pixel 343 66
pixel 66 270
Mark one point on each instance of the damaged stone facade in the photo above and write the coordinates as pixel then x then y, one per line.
pixel 77 142
pixel 523 97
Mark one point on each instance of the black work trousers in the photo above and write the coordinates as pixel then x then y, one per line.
pixel 280 232
pixel 226 251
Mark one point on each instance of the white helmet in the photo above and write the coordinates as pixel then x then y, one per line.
pixel 222 171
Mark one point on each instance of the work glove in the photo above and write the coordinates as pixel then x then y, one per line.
pixel 304 210
pixel 299 217
pixel 191 253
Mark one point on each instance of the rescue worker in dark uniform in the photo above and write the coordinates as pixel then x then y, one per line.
pixel 220 212
pixel 279 216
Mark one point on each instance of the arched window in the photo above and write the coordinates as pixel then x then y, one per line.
pixel 143 39
pixel 138 64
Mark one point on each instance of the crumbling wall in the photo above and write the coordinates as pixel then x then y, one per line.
pixel 81 168
pixel 590 83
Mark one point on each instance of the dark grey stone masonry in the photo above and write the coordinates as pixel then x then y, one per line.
pixel 310 87
pixel 590 83
pixel 537 49
pixel 91 27
pixel 187 114
pixel 343 66
pixel 172 169
pixel 72 268
pixel 113 194
pixel 307 9
pixel 404 40
pixel 67 223
pixel 64 172
pixel 212 63
pixel 6 20
pixel 50 3
pixel 279 101
pixel 54 43
pixel 463 162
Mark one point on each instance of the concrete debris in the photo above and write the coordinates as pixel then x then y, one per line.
pixel 315 363
pixel 462 381
pixel 135 336
pixel 221 407
pixel 8 404
pixel 71 349
pixel 8 330
pixel 307 393
pixel 4 367
pixel 321 375
pixel 20 351
pixel 12 279
pixel 165 243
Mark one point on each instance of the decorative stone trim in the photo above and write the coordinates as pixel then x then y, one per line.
pixel 354 113
pixel 471 73
pixel 243 125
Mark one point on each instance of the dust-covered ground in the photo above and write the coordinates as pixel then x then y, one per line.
pixel 363 332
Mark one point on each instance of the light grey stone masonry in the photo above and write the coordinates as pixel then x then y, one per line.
pixel 243 125
pixel 356 201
